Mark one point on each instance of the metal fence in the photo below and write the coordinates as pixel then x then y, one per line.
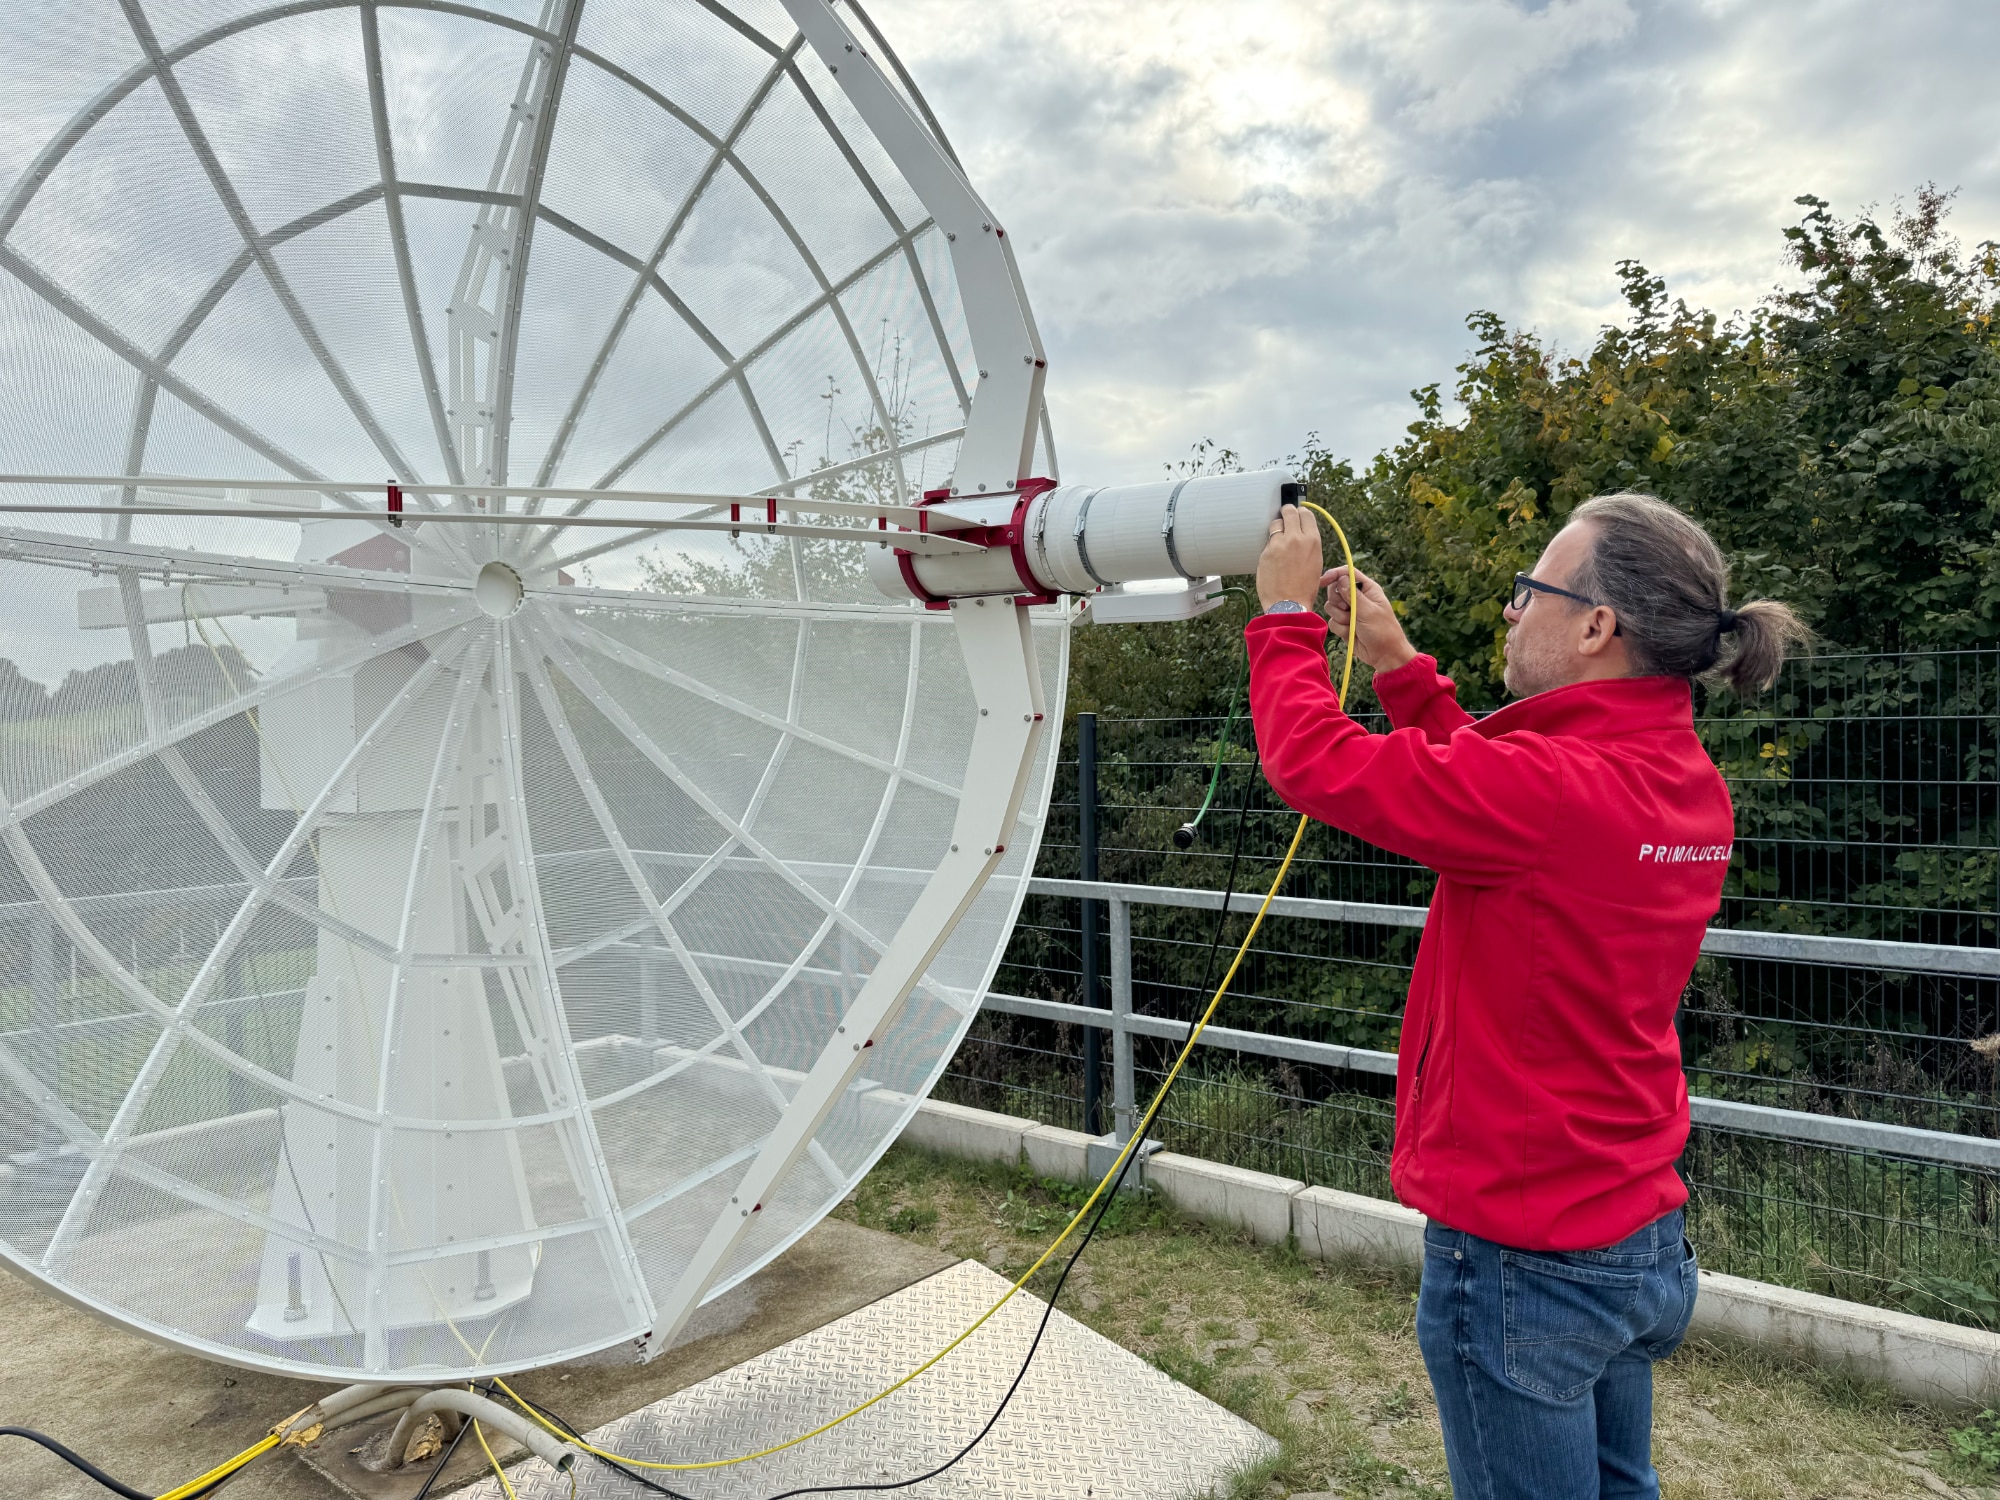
pixel 1841 1032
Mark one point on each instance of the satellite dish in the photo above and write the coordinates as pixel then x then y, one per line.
pixel 521 740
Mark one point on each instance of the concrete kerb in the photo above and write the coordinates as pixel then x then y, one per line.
pixel 1254 1202
pixel 1058 1153
pixel 959 1130
pixel 1940 1363
pixel 1331 1225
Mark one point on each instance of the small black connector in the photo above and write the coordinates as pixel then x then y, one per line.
pixel 1184 836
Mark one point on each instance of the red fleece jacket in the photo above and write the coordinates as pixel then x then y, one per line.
pixel 1580 838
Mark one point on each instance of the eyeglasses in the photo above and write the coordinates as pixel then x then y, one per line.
pixel 1525 589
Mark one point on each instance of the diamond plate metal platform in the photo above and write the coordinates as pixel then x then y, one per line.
pixel 1091 1418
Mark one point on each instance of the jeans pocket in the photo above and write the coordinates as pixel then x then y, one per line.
pixel 1687 1280
pixel 1564 1322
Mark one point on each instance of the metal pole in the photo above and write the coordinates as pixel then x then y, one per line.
pixel 1124 1103
pixel 1086 840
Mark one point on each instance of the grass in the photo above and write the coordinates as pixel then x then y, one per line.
pixel 1324 1357
pixel 1906 1235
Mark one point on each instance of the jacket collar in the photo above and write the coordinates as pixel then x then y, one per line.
pixel 1598 710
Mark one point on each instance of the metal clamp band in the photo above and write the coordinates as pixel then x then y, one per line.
pixel 1042 537
pixel 1167 531
pixel 1082 550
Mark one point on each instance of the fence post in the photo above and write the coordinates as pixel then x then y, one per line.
pixel 1124 1105
pixel 1086 840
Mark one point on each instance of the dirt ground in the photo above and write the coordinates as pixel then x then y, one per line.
pixel 154 1418
pixel 1325 1357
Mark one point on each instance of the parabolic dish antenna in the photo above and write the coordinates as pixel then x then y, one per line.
pixel 483 865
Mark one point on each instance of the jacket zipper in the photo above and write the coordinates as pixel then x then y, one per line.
pixel 1417 1088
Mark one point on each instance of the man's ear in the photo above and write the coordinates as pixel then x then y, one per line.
pixel 1599 625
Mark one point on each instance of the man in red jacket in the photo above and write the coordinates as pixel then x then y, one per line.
pixel 1580 835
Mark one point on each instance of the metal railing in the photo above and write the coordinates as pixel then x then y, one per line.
pixel 1125 1024
pixel 1841 1033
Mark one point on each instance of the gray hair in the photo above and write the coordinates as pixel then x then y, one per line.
pixel 1669 584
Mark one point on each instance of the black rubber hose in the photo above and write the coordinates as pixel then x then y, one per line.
pixel 78 1461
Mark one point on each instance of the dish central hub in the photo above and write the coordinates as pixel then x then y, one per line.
pixel 498 590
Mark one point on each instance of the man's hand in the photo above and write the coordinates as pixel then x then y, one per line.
pixel 1381 643
pixel 1290 566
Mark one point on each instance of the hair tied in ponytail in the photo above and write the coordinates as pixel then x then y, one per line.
pixel 1669 583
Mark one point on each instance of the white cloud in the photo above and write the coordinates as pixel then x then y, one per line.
pixel 1247 221
pixel 1468 61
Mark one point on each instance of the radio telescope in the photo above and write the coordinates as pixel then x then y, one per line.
pixel 531 586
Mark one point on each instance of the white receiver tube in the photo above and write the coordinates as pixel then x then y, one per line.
pixel 1076 539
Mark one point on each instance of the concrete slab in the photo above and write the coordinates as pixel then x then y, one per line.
pixel 1056 1152
pixel 1937 1362
pixel 1255 1202
pixel 155 1418
pixel 962 1131
pixel 1330 1224
pixel 1090 1418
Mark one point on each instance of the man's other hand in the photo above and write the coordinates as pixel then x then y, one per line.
pixel 1290 566
pixel 1380 642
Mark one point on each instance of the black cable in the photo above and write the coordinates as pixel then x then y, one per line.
pixel 610 1463
pixel 78 1461
pixel 1048 1311
pixel 457 1437
pixel 1229 880
pixel 1152 1113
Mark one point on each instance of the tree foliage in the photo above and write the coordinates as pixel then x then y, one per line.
pixel 1840 442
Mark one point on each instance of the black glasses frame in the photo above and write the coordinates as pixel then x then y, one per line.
pixel 1525 589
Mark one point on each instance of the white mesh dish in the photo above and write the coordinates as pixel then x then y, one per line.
pixel 408 933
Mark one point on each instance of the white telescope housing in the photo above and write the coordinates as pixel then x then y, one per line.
pixel 1076 539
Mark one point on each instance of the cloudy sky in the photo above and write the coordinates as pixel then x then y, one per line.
pixel 1250 221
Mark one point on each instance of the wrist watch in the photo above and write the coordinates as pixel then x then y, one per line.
pixel 1287 607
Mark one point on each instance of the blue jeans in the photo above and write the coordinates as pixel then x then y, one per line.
pixel 1542 1361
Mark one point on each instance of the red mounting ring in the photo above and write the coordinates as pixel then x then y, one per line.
pixel 1013 536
